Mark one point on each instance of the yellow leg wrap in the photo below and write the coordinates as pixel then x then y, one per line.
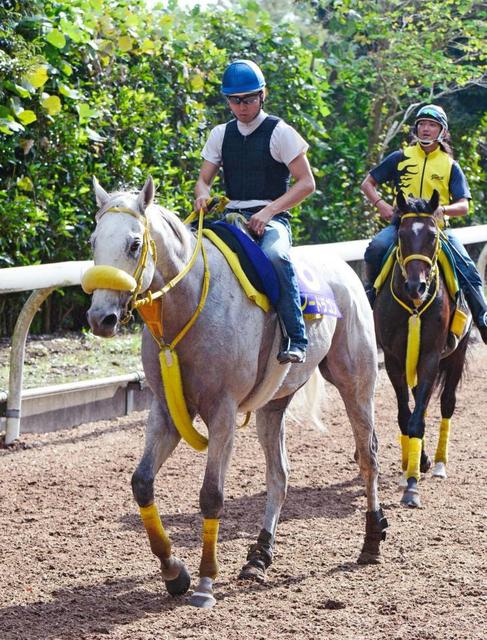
pixel 209 563
pixel 158 538
pixel 404 451
pixel 414 457
pixel 442 448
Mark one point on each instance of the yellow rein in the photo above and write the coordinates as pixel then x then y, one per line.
pixel 178 277
pixel 414 322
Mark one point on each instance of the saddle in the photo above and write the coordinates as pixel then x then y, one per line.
pixel 258 278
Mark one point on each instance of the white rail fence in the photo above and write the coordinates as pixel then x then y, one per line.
pixel 43 279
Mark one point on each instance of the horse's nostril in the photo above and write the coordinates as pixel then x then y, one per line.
pixel 109 321
pixel 422 288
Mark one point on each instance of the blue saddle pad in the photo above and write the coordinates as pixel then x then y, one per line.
pixel 317 298
pixel 264 267
pixel 316 295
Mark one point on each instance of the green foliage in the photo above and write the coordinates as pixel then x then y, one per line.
pixel 386 58
pixel 120 92
pixel 112 89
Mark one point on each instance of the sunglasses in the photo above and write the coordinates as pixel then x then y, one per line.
pixel 252 99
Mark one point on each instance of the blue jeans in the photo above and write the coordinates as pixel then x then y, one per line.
pixel 380 243
pixel 276 244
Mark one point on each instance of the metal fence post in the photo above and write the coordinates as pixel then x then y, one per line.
pixel 16 373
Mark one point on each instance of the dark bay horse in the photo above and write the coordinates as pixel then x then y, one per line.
pixel 413 313
pixel 225 348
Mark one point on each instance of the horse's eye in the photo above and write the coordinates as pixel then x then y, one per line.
pixel 135 246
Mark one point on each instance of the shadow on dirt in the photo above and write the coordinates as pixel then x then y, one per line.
pixel 99 609
pixel 95 609
pixel 20 445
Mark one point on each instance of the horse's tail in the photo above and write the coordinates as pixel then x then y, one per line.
pixel 308 403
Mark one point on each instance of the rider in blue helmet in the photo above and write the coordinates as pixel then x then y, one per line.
pixel 427 164
pixel 259 154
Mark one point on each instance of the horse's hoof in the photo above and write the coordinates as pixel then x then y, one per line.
pixel 179 585
pixel 366 557
pixel 202 600
pixel 410 498
pixel 425 464
pixel 251 572
pixel 203 596
pixel 439 470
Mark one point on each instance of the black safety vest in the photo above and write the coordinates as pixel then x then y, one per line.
pixel 249 170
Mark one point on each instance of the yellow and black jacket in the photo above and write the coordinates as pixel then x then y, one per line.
pixel 417 174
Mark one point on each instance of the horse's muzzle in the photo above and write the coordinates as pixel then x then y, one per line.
pixel 416 291
pixel 104 322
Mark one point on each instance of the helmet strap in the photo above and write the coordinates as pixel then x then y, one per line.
pixel 425 143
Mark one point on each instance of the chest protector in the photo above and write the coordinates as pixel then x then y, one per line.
pixel 249 170
pixel 419 174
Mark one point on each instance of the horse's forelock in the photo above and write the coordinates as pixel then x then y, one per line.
pixel 421 206
pixel 414 205
pixel 157 216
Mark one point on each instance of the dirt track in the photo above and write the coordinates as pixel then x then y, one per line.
pixel 75 562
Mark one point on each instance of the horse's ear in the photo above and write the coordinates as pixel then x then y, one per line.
pixel 146 196
pixel 100 194
pixel 402 204
pixel 434 201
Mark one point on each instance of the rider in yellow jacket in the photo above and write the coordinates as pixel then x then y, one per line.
pixel 418 170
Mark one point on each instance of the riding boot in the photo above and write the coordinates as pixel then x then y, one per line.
pixel 478 307
pixel 370 276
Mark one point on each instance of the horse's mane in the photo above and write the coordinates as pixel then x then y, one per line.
pixel 160 217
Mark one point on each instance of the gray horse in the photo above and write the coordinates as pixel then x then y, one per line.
pixel 227 361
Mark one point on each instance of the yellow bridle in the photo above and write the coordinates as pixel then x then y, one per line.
pixel 432 262
pixel 108 277
pixel 414 323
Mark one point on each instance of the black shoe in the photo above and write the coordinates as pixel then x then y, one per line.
pixel 291 355
pixel 478 306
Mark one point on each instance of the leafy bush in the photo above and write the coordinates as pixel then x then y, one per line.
pixel 109 88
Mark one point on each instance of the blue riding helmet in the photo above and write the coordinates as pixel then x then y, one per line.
pixel 432 112
pixel 242 76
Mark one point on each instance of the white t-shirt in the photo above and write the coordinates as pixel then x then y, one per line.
pixel 285 145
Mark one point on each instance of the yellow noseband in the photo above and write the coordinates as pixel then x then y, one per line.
pixel 106 277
